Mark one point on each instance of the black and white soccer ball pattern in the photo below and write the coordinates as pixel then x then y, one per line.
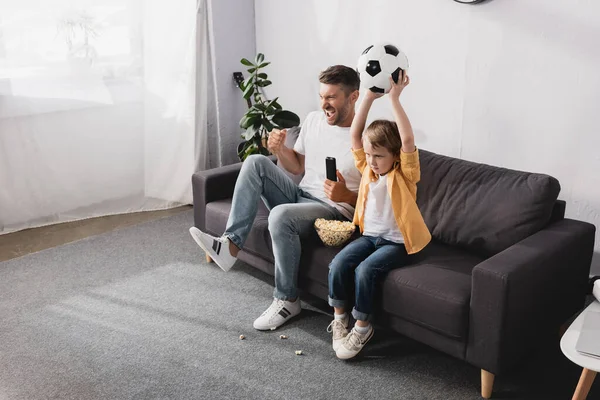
pixel 377 63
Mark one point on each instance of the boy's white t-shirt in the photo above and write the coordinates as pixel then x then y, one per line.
pixel 379 216
pixel 317 141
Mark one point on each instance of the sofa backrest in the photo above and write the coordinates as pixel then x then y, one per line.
pixel 482 208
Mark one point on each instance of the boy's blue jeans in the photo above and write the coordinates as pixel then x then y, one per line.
pixel 292 216
pixel 356 272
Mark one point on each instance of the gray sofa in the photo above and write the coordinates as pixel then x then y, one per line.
pixel 504 271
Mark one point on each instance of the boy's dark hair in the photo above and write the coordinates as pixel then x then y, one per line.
pixel 384 133
pixel 341 75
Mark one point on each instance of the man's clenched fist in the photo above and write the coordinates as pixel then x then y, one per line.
pixel 276 140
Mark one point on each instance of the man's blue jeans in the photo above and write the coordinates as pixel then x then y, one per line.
pixel 292 216
pixel 356 272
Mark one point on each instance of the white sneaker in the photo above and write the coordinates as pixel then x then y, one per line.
pixel 277 314
pixel 216 248
pixel 353 343
pixel 339 329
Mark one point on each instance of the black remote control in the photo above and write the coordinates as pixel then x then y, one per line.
pixel 331 168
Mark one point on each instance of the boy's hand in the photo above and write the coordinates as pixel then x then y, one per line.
pixel 371 95
pixel 397 88
pixel 337 191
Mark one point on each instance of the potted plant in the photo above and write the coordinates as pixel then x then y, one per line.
pixel 263 115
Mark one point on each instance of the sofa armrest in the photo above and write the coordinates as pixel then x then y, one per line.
pixel 211 185
pixel 522 295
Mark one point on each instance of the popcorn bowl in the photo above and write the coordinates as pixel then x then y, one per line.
pixel 334 233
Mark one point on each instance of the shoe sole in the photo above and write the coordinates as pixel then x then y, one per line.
pixel 208 252
pixel 348 357
pixel 199 242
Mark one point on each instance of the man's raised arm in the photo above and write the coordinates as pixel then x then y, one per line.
pixel 292 161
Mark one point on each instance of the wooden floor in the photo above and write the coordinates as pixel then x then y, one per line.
pixel 27 241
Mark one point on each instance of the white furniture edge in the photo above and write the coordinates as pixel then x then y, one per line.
pixel 569 340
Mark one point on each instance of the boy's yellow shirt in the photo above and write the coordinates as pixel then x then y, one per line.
pixel 402 189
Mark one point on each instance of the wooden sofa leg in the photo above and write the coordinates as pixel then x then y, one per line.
pixel 208 259
pixel 585 383
pixel 487 383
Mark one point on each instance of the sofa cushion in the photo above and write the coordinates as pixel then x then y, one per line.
pixel 433 292
pixel 483 208
pixel 259 239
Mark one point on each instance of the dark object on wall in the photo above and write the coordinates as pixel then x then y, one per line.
pixel 238 77
pixel 469 1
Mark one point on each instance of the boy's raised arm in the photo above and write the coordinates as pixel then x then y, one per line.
pixel 360 119
pixel 404 126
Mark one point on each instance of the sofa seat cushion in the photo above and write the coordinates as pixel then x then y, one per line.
pixel 435 291
pixel 259 239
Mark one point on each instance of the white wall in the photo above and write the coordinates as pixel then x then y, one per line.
pixel 513 83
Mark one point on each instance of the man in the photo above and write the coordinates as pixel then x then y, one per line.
pixel 293 209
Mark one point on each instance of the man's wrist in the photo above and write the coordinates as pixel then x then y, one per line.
pixel 278 150
pixel 350 197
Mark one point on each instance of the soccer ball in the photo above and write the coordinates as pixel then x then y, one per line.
pixel 377 63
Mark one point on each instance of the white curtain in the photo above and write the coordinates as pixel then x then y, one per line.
pixel 102 107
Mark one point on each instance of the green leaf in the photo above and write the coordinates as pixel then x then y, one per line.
pixel 259 107
pixel 263 65
pixel 264 151
pixel 286 119
pixel 249 133
pixel 246 62
pixel 251 149
pixel 269 113
pixel 268 125
pixel 259 58
pixel 248 120
pixel 273 106
pixel 264 83
pixel 251 70
pixel 262 75
pixel 242 149
pixel 242 146
pixel 249 91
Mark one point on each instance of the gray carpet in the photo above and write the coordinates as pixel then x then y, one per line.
pixel 137 314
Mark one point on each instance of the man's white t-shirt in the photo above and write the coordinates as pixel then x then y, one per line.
pixel 379 218
pixel 317 141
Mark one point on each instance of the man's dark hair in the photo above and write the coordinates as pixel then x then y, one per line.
pixel 341 75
